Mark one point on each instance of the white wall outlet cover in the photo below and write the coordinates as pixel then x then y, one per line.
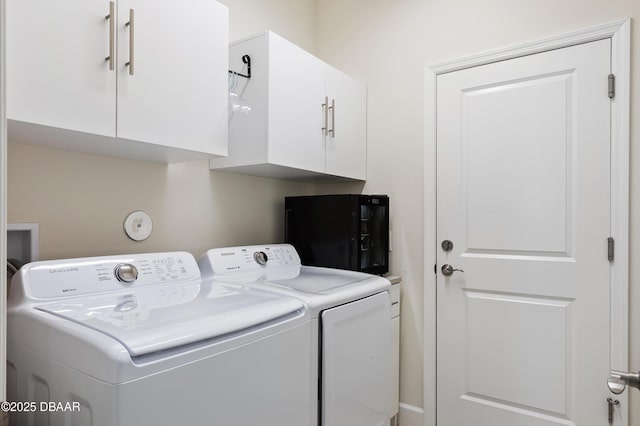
pixel 138 225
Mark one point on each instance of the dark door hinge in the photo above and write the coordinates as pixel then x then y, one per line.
pixel 612 86
pixel 610 248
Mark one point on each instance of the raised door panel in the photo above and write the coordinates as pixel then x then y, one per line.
pixel 177 94
pixel 56 70
pixel 346 143
pixel 296 113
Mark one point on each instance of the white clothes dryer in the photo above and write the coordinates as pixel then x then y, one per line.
pixel 351 329
pixel 141 340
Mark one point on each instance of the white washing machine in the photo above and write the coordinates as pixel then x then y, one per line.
pixel 351 327
pixel 142 340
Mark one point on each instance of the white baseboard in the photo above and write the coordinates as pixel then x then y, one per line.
pixel 410 415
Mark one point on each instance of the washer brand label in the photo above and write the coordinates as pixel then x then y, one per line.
pixel 63 269
pixel 229 253
pixel 231 268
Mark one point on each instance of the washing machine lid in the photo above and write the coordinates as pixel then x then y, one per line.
pixel 166 317
pixel 317 280
pixel 323 288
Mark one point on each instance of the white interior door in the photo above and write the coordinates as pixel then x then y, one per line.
pixel 523 194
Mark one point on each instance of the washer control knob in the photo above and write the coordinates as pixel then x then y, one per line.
pixel 260 257
pixel 126 272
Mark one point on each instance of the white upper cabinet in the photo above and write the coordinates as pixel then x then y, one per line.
pixel 56 69
pixel 177 94
pixel 131 78
pixel 296 117
pixel 295 93
pixel 346 144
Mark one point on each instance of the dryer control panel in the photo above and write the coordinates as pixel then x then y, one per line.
pixel 231 260
pixel 82 276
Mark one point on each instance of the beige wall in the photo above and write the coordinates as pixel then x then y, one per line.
pixel 80 200
pixel 387 44
pixel 293 20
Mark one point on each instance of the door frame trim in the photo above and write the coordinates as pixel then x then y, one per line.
pixel 620 34
pixel 3 208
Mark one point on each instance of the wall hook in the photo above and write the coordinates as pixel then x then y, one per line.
pixel 247 60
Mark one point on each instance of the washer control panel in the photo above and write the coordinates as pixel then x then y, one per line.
pixel 229 260
pixel 72 277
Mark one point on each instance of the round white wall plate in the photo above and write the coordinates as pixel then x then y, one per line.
pixel 138 225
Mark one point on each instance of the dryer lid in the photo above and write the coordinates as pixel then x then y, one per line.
pixel 166 317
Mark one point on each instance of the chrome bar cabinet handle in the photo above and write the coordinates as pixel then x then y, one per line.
pixel 130 24
pixel 112 34
pixel 333 118
pixel 325 109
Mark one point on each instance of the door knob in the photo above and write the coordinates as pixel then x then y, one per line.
pixel 448 270
pixel 619 381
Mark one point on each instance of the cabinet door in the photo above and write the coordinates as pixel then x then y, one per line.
pixel 346 144
pixel 356 363
pixel 394 401
pixel 296 94
pixel 56 69
pixel 177 95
